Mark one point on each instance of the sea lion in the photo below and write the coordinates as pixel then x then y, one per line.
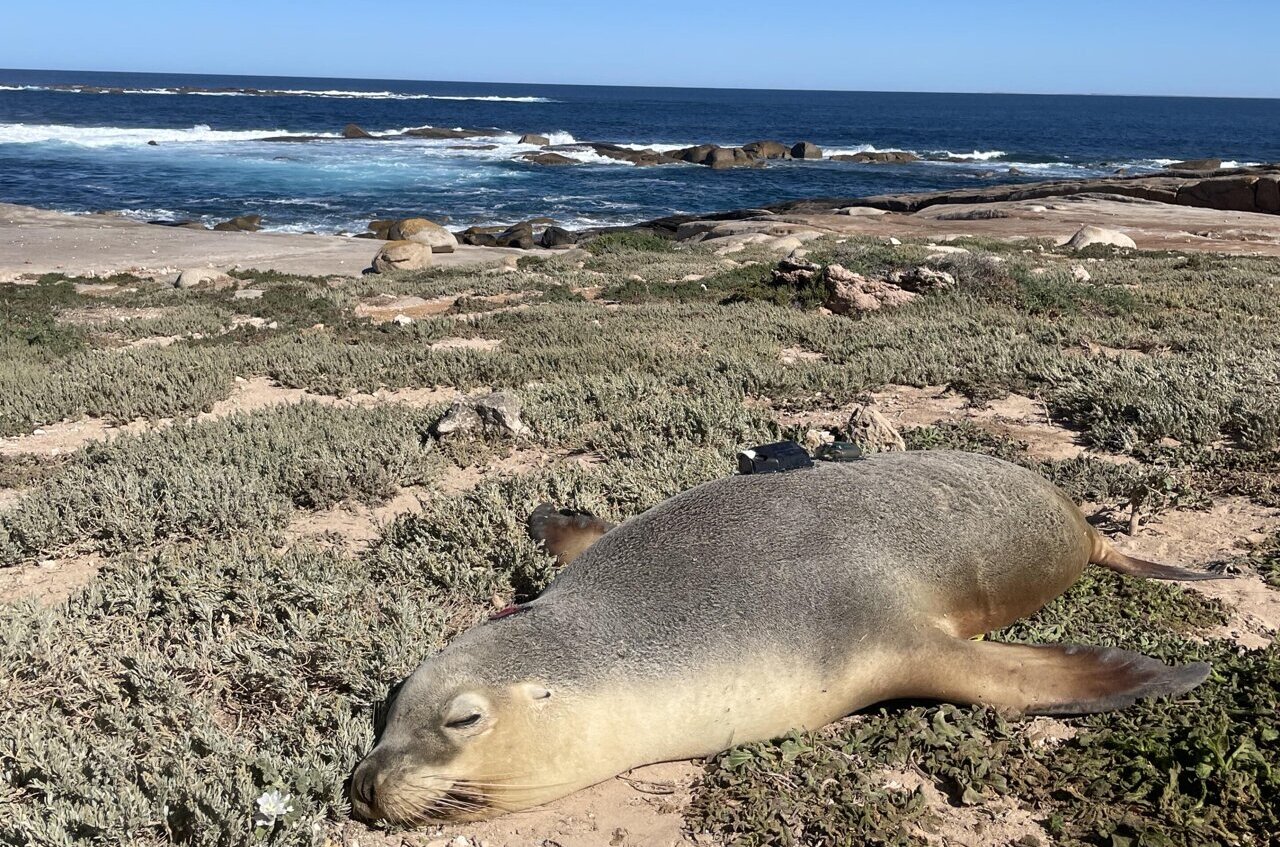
pixel 748 607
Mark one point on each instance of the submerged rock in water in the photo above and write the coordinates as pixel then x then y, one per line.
pixel 241 223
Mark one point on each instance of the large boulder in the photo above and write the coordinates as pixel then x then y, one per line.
pixel 530 138
pixel 1087 236
pixel 850 293
pixel 402 256
pixel 1227 194
pixel 241 223
pixel 497 411
pixel 354 131
pixel 554 236
pixel 892 157
pixel 518 235
pixel 1266 194
pixel 548 159
pixel 806 150
pixel 381 229
pixel 204 278
pixel 767 150
pixel 921 279
pixel 423 231
pixel 721 157
pixel 695 155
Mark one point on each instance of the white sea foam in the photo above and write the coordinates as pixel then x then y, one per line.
pixel 273 92
pixel 115 136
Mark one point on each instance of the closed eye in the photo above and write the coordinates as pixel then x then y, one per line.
pixel 463 723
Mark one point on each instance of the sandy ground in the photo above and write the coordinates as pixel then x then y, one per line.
pixel 1152 226
pixel 35 241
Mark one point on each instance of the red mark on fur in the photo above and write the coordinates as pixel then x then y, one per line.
pixel 510 610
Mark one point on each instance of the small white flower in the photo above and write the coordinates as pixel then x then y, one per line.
pixel 272 806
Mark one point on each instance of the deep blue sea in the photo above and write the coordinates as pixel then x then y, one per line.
pixel 66 147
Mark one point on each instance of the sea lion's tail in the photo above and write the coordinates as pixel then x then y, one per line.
pixel 1109 557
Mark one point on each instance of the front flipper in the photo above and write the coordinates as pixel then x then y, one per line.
pixel 563 533
pixel 1046 679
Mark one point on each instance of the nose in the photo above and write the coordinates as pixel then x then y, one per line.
pixel 364 791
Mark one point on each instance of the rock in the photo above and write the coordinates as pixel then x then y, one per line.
pixel 354 131
pixel 1014 171
pixel 640 158
pixel 1081 273
pixel 872 431
pixel 441 132
pixel 554 236
pixel 241 223
pixel 402 320
pixel 518 235
pixel 423 231
pixel 921 279
pixel 1089 235
pixel 1227 194
pixel 530 138
pixel 548 159
pixel 793 272
pixel 381 229
pixel 694 155
pixel 806 150
pixel 849 292
pixel 402 256
pixel 880 157
pixel 472 147
pixel 863 212
pixel 247 294
pixel 767 150
pixel 719 158
pixel 1267 194
pixel 1195 165
pixel 499 410
pixel 153 143
pixel 204 278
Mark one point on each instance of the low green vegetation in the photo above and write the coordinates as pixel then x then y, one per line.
pixel 217 655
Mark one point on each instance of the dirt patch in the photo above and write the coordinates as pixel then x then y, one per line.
pixel 1018 417
pixel 1225 531
pixel 249 395
pixel 791 355
pixel 484 344
pixel 388 307
pixel 996 823
pixel 49 581
pixel 99 289
pixel 352 525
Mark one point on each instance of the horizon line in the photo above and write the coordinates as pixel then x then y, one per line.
pixel 670 87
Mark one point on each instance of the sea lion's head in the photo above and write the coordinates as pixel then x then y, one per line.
pixel 460 742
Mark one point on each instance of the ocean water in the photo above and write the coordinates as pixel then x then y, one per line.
pixel 77 141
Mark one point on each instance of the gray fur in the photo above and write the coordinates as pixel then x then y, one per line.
pixel 818 562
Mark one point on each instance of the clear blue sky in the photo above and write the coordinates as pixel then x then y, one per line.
pixel 1223 48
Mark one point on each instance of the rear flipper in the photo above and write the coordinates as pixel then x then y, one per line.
pixel 1109 557
pixel 1046 679
pixel 565 534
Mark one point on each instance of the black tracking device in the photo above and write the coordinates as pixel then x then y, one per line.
pixel 774 458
